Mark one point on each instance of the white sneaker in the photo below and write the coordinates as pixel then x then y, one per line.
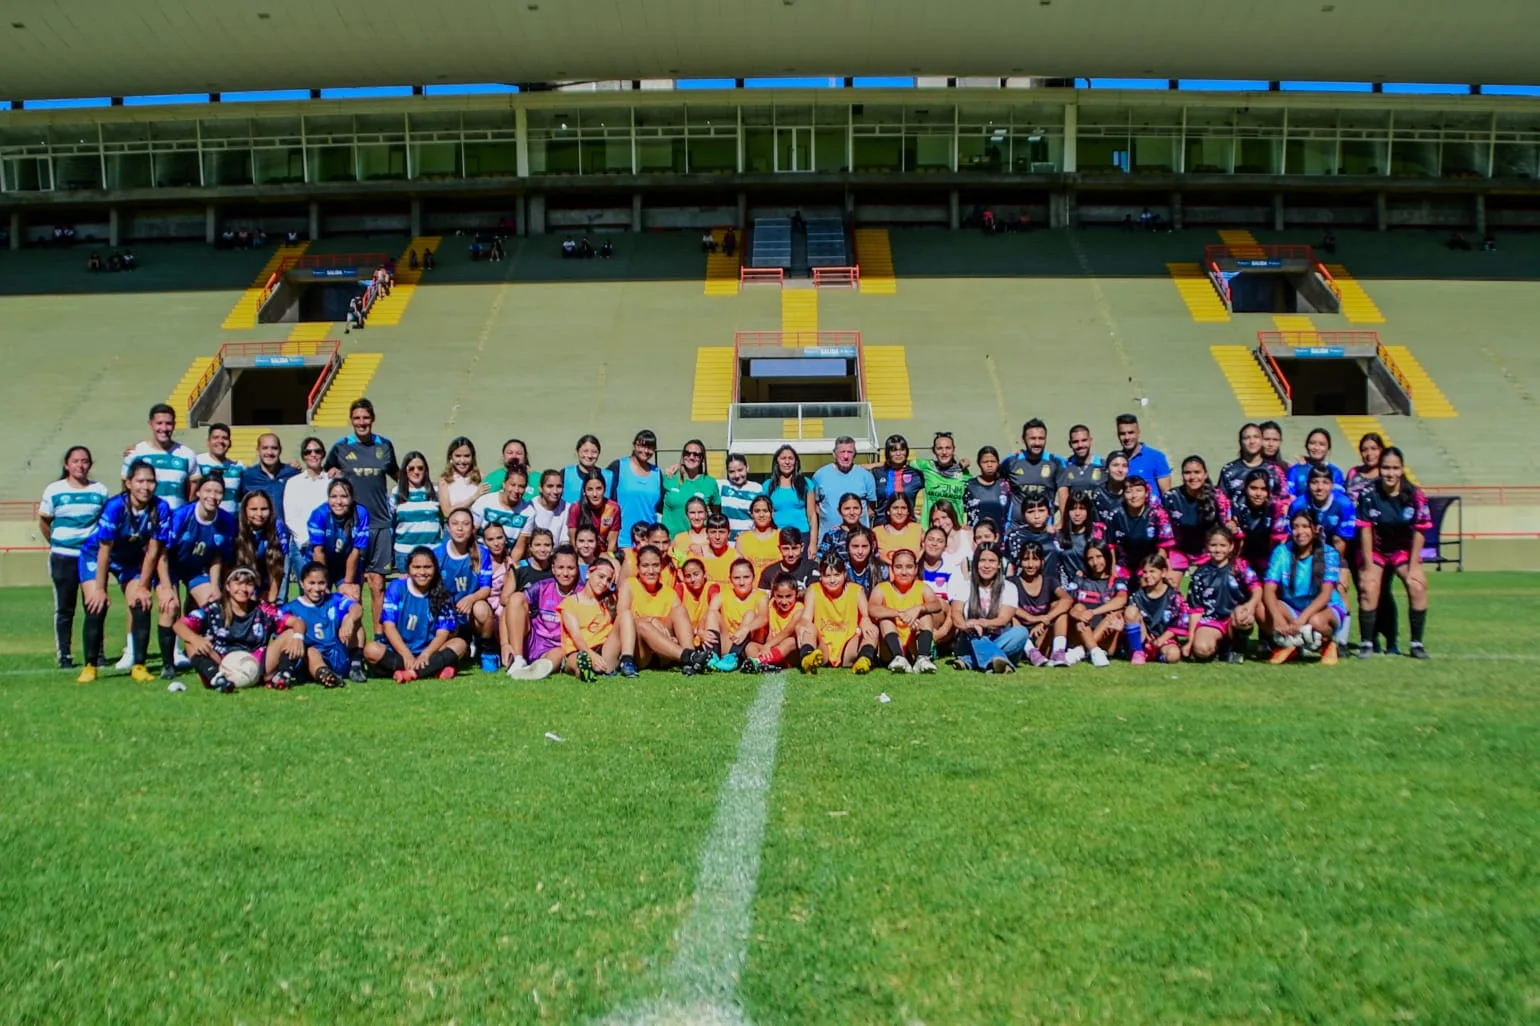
pixel 179 658
pixel 540 669
pixel 924 665
pixel 519 668
pixel 1099 657
pixel 127 662
pixel 900 665
pixel 1075 655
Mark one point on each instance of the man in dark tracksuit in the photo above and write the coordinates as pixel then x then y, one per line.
pixel 368 462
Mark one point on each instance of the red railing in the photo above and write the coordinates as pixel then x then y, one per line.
pixel 1277 252
pixel 322 383
pixel 1320 338
pixel 1331 282
pixel 245 349
pixel 1390 365
pixel 1223 284
pixel 761 276
pixel 797 339
pixel 359 260
pixel 836 277
pixel 1283 382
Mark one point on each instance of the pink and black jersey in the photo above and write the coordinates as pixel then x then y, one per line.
pixel 1192 519
pixel 1232 480
pixel 1136 535
pixel 1261 530
pixel 1093 591
pixel 1069 551
pixel 1394 518
pixel 249 632
pixel 1215 591
pixel 1167 613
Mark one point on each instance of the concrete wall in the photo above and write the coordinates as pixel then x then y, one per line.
pixel 687 217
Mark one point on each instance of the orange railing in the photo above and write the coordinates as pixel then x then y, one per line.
pixel 761 276
pixel 1272 364
pixel 1390 365
pixel 322 382
pixel 1223 284
pixel 797 339
pixel 244 349
pixel 1320 338
pixel 836 277
pixel 359 260
pixel 1276 252
pixel 1331 282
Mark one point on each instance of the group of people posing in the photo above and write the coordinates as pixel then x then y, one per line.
pixel 596 569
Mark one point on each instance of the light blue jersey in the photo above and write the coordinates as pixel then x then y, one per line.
pixel 489 509
pixel 229 472
pixel 172 468
pixel 72 514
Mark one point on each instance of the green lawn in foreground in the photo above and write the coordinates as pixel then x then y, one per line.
pixel 1234 844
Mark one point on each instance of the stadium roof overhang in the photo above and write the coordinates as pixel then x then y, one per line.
pixel 49 48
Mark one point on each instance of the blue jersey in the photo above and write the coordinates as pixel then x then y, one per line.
pixel 1294 588
pixel 128 533
pixel 337 540
pixel 1339 520
pixel 572 482
pixel 464 574
pixel 322 624
pixel 409 610
pixel 193 546
pixel 637 495
pixel 1298 478
pixel 260 552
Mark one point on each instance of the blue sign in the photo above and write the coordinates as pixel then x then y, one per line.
pixel 830 352
pixel 334 272
pixel 1259 263
pixel 1319 352
pixel 280 361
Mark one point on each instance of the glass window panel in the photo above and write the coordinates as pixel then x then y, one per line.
pixel 555 156
pixel 1311 157
pixel 1365 120
pixel 929 118
pixel 757 115
pixel 381 124
pixel 1094 115
pixel 1311 117
pixel 927 152
pixel 1101 154
pixel 275 128
pixel 707 119
pixel 24 174
pixel 1209 155
pixel 227 167
pixel 436 122
pixel 830 149
pixel 986 153
pixel 491 159
pixel 173 130
pixel 1258 156
pixel 1464 160
pixel 71 135
pixel 1210 121
pixel 124 133
pixel 332 164
pixel 660 117
pixel 758 150
pixel 877 153
pixel 278 165
pixel 177 170
pixel 871 116
pixel 608 156
pixel 1037 152
pixel 1413 159
pixel 831 114
pixel 225 128
pixel 717 155
pixel 793 115
pixel 660 155
pixel 127 171
pixel 329 125
pixel 78 172
pixel 604 120
pixel 381 161
pixel 1363 156
pixel 1154 153
pixel 1516 160
pixel 436 160
pixel 490 120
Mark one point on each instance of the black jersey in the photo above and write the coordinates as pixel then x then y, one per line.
pixel 1136 536
pixel 1261 530
pixel 1033 479
pixel 804 573
pixel 1036 605
pixel 1394 518
pixel 1189 524
pixel 1232 480
pixel 987 502
pixel 1162 614
pixel 1082 477
pixel 1215 591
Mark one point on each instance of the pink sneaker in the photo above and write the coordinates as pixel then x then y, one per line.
pixel 447 673
pixel 1138 658
pixel 1035 657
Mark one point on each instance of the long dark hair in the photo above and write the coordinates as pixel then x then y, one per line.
pixel 1256 474
pixel 64 468
pixel 1109 565
pixel 1208 504
pixel 994 588
pixel 587 516
pixel 246 540
pixel 1081 498
pixel 352 520
pixel 404 490
pixel 154 504
pixel 439 599
pixel 798 479
pixel 1240 443
pixel 1316 554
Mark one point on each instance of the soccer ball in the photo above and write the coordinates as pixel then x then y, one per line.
pixel 1312 638
pixel 241 669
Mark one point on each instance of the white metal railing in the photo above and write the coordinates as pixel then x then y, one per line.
pixel 762 428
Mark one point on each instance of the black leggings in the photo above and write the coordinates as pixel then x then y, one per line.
pixel 65 572
pixel 390 663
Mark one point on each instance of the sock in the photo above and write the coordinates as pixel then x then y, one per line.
pixel 737 649
pixel 1060 645
pixel 806 651
pixel 923 642
pixel 867 652
pixel 1366 625
pixel 440 660
pixel 139 634
pixel 1388 626
pixel 1134 632
pixel 1419 620
pixel 167 638
pixel 206 667
pixel 92 635
pixel 1237 640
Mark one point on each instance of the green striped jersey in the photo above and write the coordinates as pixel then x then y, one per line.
pixel 172 469
pixel 417 520
pixel 231 471
pixel 72 514
pixel 736 502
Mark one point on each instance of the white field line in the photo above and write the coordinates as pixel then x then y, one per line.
pixel 701 984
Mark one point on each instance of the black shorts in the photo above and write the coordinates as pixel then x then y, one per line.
pixel 381 556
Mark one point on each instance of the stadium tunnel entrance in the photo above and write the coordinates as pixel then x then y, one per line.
pixel 317 287
pixel 1271 279
pixel 1333 373
pixel 265 383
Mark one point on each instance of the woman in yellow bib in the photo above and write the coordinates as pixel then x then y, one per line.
pixel 906 610
pixel 654 629
pixel 692 541
pixel 901 533
pixel 719 557
pixel 739 613
pixel 783 615
pixel 762 545
pixel 835 629
pixel 589 642
pixel 695 593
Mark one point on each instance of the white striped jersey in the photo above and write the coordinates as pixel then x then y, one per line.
pixel 172 469
pixel 736 502
pixel 72 514
pixel 417 520
pixel 231 471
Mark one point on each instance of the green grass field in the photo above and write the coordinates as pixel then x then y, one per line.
pixel 1171 844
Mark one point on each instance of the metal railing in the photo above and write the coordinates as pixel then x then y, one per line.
pixel 1341 339
pixel 1390 365
pixel 837 277
pixel 322 383
pixel 796 339
pixel 761 276
pixel 333 260
pixel 1331 282
pixel 762 428
pixel 1259 252
pixel 1275 373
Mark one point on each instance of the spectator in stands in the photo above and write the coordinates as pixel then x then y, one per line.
pixel 729 243
pixel 411 259
pixel 259 238
pixel 1329 242
pixel 428 263
pixel 115 261
pixel 495 253
pixel 989 222
pixel 586 248
pixel 708 242
pixel 475 249
pixel 1128 223
pixel 797 224
pixel 243 238
pixel 606 249
pixel 1146 220
pixel 129 263
pixel 568 248
pixel 1489 243
pixel 227 239
pixel 94 261
pixel 355 317
pixel 291 239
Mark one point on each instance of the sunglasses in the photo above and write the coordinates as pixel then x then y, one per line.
pixel 694 455
pixel 315 452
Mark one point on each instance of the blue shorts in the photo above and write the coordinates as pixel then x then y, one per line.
pixel 124 574
pixel 335 657
pixel 195 581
